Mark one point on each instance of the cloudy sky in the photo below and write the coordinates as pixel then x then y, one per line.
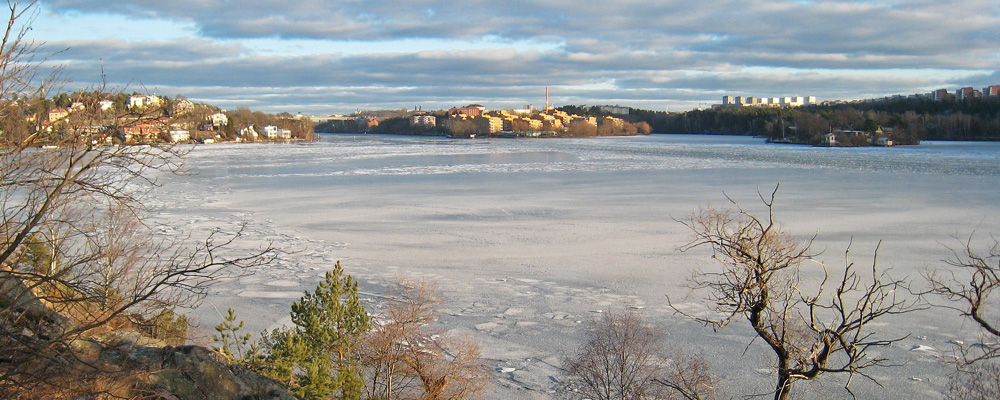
pixel 321 57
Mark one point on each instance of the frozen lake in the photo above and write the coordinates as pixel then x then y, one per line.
pixel 531 238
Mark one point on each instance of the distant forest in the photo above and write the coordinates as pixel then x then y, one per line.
pixel 910 120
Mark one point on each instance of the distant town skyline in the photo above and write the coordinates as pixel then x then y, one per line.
pixel 332 57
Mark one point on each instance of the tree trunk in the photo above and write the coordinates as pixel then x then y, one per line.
pixel 784 388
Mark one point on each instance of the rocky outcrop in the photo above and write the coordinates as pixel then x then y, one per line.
pixel 197 373
pixel 23 313
pixel 34 343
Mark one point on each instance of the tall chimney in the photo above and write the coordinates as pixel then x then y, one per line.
pixel 546 98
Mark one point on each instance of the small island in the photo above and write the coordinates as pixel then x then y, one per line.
pixel 880 136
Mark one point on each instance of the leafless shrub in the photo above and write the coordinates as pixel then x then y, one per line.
pixel 978 381
pixel 687 377
pixel 625 358
pixel 406 358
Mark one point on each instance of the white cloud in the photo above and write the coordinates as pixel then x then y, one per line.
pixel 501 49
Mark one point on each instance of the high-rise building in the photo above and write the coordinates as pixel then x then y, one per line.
pixel 941 94
pixel 966 93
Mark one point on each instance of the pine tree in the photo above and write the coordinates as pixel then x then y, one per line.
pixel 316 356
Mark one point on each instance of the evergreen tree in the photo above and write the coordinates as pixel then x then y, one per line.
pixel 316 356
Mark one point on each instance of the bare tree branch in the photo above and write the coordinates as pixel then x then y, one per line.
pixel 76 257
pixel 969 286
pixel 626 358
pixel 406 358
pixel 809 334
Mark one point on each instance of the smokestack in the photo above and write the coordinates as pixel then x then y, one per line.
pixel 546 98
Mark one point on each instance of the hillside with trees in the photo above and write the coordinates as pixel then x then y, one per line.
pixel 558 122
pixel 137 118
pixel 904 120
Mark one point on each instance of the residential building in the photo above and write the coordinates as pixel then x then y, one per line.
pixel 617 122
pixel 489 124
pixel 751 101
pixel 940 94
pixel 181 107
pixel 620 110
pixel 592 121
pixel 248 131
pixel 991 91
pixel 145 131
pixel 140 101
pixel 428 121
pixel 274 132
pixel 472 110
pixel 533 124
pixel 528 109
pixel 219 119
pixel 271 132
pixel 967 93
pixel 58 115
pixel 552 122
pixel 830 139
pixel 179 135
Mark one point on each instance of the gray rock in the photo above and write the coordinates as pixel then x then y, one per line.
pixel 197 373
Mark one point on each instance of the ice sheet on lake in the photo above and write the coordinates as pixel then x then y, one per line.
pixel 532 239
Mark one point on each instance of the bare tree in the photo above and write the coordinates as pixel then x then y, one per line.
pixel 76 258
pixel 970 287
pixel 826 331
pixel 406 358
pixel 687 377
pixel 976 381
pixel 626 358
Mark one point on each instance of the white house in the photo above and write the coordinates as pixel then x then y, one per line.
pixel 830 139
pixel 179 135
pixel 141 101
pixel 248 130
pixel 182 106
pixel 423 120
pixel 271 131
pixel 274 132
pixel 219 119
